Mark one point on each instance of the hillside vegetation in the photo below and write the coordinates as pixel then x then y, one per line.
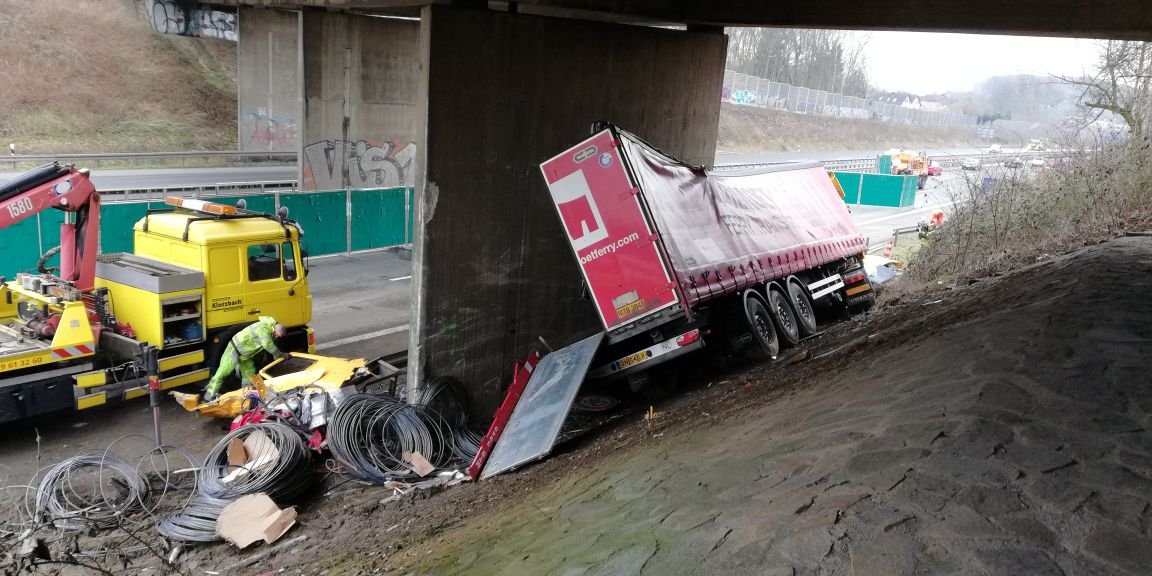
pixel 92 76
pixel 751 129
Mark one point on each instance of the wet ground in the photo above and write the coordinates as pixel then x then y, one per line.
pixel 1003 428
pixel 999 428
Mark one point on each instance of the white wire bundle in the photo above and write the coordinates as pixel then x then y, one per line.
pixel 74 504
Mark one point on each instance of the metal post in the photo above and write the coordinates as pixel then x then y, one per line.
pixel 860 190
pixel 152 364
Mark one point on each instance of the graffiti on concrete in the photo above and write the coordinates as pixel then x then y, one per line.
pixel 190 18
pixel 369 164
pixel 262 129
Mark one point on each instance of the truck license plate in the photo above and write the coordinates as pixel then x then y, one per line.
pixel 632 360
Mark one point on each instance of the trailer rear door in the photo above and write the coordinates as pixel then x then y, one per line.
pixel 606 225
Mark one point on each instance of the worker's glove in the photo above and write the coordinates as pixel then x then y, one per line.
pixel 209 396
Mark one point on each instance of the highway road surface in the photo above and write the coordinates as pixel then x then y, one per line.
pixel 183 177
pixel 361 302
pixel 189 177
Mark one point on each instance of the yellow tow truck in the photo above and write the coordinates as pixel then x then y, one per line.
pixel 199 272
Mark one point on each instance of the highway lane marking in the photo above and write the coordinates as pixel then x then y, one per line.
pixel 399 278
pixel 904 214
pixel 353 253
pixel 361 337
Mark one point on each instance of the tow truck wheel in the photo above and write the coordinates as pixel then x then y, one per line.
pixel 786 326
pixel 802 306
pixel 765 344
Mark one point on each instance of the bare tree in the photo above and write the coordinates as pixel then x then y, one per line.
pixel 1122 83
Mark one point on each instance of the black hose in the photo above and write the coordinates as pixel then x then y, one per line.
pixel 43 261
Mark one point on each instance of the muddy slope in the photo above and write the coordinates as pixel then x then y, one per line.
pixel 1004 430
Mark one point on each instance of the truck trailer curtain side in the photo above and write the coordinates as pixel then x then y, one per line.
pixel 637 218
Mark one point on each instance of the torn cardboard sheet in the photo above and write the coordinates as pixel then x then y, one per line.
pixel 254 517
pixel 420 465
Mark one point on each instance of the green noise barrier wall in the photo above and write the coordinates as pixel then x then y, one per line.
pixel 375 218
pixel 878 189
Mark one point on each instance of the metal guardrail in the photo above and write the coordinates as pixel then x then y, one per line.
pixel 224 189
pixel 869 164
pixel 183 158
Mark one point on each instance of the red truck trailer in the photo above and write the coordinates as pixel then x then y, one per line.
pixel 676 257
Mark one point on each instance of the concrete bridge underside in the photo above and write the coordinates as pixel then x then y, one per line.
pixel 464 100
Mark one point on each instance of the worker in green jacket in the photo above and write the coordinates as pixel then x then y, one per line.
pixel 245 345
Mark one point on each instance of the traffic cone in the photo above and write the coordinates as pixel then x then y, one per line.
pixel 887 253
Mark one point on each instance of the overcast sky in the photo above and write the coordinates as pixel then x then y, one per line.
pixel 928 63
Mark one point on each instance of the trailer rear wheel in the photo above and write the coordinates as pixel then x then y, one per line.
pixel 802 306
pixel 765 343
pixel 786 325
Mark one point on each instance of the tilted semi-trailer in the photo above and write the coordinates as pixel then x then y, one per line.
pixel 676 257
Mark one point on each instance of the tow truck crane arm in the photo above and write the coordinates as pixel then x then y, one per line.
pixel 64 188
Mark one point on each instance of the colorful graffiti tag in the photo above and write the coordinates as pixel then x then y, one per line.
pixel 187 18
pixel 262 129
pixel 369 164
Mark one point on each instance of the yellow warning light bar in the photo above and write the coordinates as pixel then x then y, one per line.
pixel 200 205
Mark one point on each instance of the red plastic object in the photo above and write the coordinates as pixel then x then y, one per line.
pixel 520 376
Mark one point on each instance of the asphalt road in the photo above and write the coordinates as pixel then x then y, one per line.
pixel 190 177
pixel 360 302
pixel 183 177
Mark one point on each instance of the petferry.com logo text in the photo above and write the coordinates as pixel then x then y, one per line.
pixel 609 249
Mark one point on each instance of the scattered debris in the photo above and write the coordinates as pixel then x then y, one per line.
pixel 254 517
pixel 536 420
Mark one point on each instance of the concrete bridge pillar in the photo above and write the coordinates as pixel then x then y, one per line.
pixel 268 79
pixel 500 93
pixel 360 79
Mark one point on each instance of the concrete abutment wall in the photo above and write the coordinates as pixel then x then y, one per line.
pixel 503 92
pixel 360 80
pixel 268 79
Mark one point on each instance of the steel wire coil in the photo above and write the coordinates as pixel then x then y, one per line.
pixel 196 522
pixel 72 500
pixel 465 445
pixel 283 479
pixel 370 435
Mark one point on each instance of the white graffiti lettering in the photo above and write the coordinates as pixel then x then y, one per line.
pixel 369 164
pixel 186 18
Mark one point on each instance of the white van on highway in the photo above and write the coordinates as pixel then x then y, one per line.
pixel 995 149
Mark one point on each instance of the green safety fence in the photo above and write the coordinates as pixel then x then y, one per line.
pixel 878 189
pixel 379 218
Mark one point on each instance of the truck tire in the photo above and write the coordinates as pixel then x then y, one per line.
pixel 802 307
pixel 787 329
pixel 765 344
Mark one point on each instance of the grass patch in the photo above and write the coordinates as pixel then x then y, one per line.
pixel 89 76
pixel 1026 216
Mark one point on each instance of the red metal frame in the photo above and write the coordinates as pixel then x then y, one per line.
pixel 520 376
pixel 79 240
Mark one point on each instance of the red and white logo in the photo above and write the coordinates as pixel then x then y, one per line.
pixel 582 219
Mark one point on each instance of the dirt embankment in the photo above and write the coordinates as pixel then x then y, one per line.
pixel 91 76
pixel 752 129
pixel 1004 427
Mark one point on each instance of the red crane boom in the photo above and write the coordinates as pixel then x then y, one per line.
pixel 67 189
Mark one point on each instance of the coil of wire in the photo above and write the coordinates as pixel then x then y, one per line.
pixel 466 443
pixel 283 478
pixel 90 491
pixel 196 522
pixel 370 435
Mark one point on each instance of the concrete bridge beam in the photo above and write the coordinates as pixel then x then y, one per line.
pixel 502 92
